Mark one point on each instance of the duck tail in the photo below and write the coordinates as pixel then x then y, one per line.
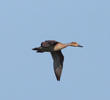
pixel 38 49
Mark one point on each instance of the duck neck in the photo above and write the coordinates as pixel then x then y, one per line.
pixel 68 44
pixel 65 45
pixel 60 46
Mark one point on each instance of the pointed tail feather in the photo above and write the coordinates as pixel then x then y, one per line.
pixel 37 49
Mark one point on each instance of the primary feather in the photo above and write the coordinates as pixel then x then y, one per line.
pixel 58 59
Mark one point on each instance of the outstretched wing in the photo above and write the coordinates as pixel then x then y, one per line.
pixel 58 59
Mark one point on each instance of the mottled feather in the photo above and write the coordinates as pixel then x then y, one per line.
pixel 48 43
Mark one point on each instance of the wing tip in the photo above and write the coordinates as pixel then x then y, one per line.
pixel 58 78
pixel 58 72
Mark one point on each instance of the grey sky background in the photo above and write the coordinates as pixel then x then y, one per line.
pixel 26 75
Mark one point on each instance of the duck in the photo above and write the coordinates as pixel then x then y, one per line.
pixel 54 48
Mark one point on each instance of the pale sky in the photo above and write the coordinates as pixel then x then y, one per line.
pixel 26 75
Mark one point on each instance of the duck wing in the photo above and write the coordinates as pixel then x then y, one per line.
pixel 58 59
pixel 48 43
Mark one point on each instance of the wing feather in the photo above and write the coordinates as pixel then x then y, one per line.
pixel 48 43
pixel 58 59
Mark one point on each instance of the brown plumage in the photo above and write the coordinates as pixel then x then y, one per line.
pixel 55 47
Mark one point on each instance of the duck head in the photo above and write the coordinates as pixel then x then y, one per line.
pixel 75 44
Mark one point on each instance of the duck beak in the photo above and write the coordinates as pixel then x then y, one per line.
pixel 80 46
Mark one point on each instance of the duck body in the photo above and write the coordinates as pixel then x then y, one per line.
pixel 55 47
pixel 49 46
